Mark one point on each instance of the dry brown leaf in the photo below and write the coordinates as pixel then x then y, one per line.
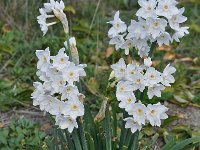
pixel 186 59
pixel 46 127
pixel 109 51
pixel 1 125
pixel 169 56
pixel 165 48
pixel 5 28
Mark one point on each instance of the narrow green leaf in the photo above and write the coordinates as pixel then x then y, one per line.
pixel 123 131
pixel 90 142
pixel 61 138
pixel 114 126
pixel 107 129
pixel 180 145
pixel 90 126
pixel 70 144
pixel 75 137
pixel 82 134
pixel 134 141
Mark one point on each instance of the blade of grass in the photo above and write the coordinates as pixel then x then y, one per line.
pixel 107 129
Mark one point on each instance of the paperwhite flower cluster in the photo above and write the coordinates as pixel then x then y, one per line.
pixel 56 8
pixel 57 93
pixel 154 18
pixel 134 77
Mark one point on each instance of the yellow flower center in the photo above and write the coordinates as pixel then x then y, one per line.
pixel 129 100
pixel 121 89
pixel 153 112
pixel 121 70
pixel 156 24
pixel 62 60
pixel 74 107
pixel 71 74
pixel 149 8
pixel 139 111
pixel 152 76
pixel 129 45
pixel 166 7
pixel 68 90
pixel 117 25
pixel 44 58
pixel 138 81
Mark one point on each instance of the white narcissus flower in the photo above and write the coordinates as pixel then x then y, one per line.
pixel 118 40
pixel 127 45
pixel 133 125
pixel 143 52
pixel 58 84
pixel 167 8
pixel 167 75
pixel 46 102
pixel 71 73
pixel 74 108
pixel 138 82
pixel 152 76
pixel 126 99
pixel 118 26
pixel 66 122
pixel 57 107
pixel 175 21
pixel 155 90
pixel 156 26
pixel 164 38
pixel 123 87
pixel 119 68
pixel 147 9
pixel 42 76
pixel 132 70
pixel 138 111
pixel 44 59
pixel 69 91
pixel 147 62
pixel 181 32
pixel 155 113
pixel 138 30
pixel 57 9
pixel 61 60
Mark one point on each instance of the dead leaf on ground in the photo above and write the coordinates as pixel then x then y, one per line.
pixel 109 51
pixel 1 125
pixel 5 28
pixel 45 127
pixel 169 56
pixel 165 48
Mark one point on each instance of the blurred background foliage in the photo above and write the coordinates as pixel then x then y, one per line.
pixel 20 36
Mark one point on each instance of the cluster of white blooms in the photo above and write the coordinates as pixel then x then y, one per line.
pixel 57 94
pixel 134 77
pixel 154 18
pixel 56 8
